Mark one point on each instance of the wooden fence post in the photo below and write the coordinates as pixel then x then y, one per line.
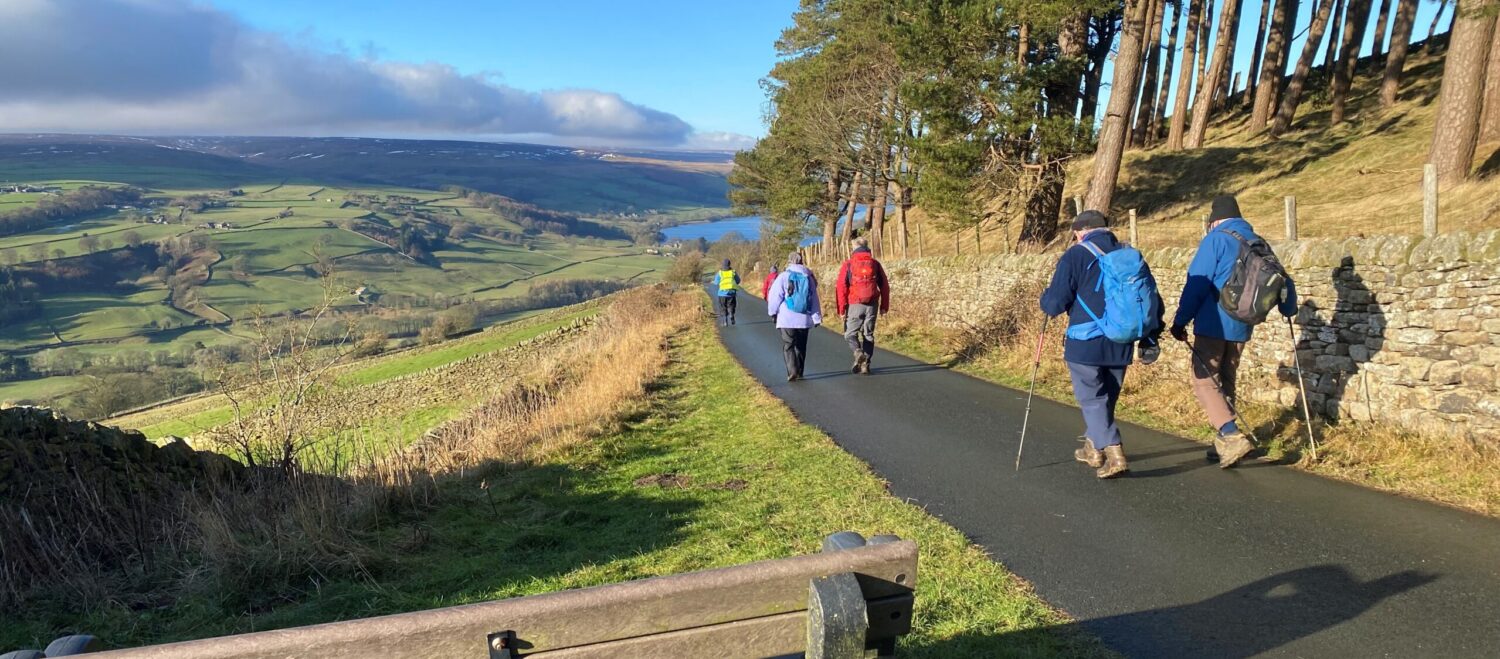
pixel 1429 200
pixel 919 240
pixel 1291 217
pixel 1133 240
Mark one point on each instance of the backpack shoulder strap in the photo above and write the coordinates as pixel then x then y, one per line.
pixel 1093 249
pixel 1238 236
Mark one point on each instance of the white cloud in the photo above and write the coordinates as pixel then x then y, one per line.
pixel 719 141
pixel 173 66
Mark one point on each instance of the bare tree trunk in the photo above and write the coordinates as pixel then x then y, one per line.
pixel 876 216
pixel 1226 86
pixel 1216 72
pixel 1273 67
pixel 1382 20
pixel 1185 82
pixel 1044 204
pixel 1489 124
pixel 1354 36
pixel 831 220
pixel 1152 52
pixel 1261 35
pixel 1293 96
pixel 1023 44
pixel 1436 19
pixel 1205 36
pixel 1395 60
pixel 1153 132
pixel 903 202
pixel 1339 9
pixel 1093 79
pixel 1116 123
pixel 848 232
pixel 1461 100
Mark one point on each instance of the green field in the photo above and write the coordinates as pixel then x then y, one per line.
pixel 196 415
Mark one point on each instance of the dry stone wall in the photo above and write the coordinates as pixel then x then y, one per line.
pixel 1396 329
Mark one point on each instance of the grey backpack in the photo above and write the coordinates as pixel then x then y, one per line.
pixel 1256 285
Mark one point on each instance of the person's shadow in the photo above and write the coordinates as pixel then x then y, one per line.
pixel 1247 621
pixel 1334 347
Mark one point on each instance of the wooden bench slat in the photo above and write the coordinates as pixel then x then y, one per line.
pixel 566 619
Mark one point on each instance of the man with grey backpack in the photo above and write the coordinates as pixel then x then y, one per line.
pixel 1233 283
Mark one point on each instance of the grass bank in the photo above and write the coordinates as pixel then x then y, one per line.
pixel 700 468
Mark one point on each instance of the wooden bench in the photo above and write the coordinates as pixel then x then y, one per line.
pixel 854 599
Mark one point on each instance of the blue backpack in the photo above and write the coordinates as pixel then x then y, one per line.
pixel 798 292
pixel 1129 292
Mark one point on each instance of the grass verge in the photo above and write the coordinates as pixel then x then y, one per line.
pixel 705 470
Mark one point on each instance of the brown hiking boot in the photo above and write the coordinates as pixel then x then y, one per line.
pixel 860 364
pixel 864 366
pixel 1114 462
pixel 1089 455
pixel 1232 448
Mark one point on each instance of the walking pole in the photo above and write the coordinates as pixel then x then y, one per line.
pixel 1031 391
pixel 1306 412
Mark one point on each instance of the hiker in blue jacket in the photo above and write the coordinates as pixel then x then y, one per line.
pixel 1097 365
pixel 1218 339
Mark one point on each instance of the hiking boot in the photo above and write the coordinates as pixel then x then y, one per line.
pixel 860 362
pixel 1089 455
pixel 1232 448
pixel 791 377
pixel 1114 462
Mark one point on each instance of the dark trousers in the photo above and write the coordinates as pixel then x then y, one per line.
pixel 794 348
pixel 1097 389
pixel 726 309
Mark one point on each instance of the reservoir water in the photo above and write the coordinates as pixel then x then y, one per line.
pixel 747 227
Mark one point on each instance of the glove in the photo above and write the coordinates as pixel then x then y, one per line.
pixel 1179 332
pixel 1148 353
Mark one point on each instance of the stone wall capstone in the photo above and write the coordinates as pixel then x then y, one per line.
pixel 1398 329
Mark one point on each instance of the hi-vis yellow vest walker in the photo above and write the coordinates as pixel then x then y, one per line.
pixel 726 280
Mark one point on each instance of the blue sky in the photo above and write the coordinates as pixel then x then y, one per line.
pixel 701 61
pixel 649 73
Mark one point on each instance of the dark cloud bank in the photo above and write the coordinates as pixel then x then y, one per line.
pixel 174 66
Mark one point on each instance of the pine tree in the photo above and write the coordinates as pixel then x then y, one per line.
pixel 1382 20
pixel 1261 31
pixel 1122 93
pixel 1216 72
pixel 1293 95
pixel 1185 83
pixel 1154 130
pixel 1343 70
pixel 1395 60
pixel 1460 103
pixel 1273 67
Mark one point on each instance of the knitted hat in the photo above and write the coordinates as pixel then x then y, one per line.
pixel 1225 207
pixel 1090 220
